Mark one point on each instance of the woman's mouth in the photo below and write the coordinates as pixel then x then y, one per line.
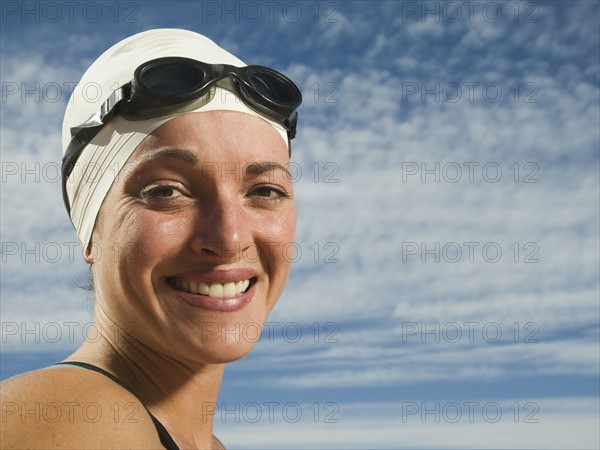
pixel 213 290
pixel 223 291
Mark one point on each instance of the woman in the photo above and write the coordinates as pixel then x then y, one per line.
pixel 178 187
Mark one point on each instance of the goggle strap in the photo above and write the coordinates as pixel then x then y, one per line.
pixel 110 106
pixel 107 110
pixel 291 125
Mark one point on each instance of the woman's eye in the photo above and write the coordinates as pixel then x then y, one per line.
pixel 160 192
pixel 270 193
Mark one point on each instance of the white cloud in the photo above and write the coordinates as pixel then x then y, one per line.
pixel 548 423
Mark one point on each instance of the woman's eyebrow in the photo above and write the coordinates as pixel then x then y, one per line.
pixel 260 167
pixel 184 155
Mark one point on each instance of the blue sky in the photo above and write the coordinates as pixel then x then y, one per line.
pixel 445 292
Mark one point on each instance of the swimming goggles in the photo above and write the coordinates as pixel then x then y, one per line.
pixel 172 85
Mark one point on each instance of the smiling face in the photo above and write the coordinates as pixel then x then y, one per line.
pixel 192 241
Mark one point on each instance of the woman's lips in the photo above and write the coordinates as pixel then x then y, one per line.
pixel 213 290
pixel 216 290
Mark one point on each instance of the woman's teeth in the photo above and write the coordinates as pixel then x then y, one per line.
pixel 215 290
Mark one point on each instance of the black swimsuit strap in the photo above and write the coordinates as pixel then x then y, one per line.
pixel 163 434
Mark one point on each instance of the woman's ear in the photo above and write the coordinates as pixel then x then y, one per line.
pixel 89 255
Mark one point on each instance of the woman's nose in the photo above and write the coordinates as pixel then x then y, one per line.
pixel 222 232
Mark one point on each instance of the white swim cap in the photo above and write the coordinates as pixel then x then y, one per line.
pixel 100 162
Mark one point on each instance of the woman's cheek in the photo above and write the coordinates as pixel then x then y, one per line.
pixel 284 230
pixel 154 234
pixel 280 241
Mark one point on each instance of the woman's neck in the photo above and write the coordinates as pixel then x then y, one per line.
pixel 181 397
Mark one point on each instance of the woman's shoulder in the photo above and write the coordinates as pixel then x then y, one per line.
pixel 69 407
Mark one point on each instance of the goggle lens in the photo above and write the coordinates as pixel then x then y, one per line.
pixel 273 88
pixel 171 80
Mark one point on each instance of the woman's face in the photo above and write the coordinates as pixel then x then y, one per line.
pixel 192 246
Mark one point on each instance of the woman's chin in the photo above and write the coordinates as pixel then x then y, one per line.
pixel 221 345
pixel 222 353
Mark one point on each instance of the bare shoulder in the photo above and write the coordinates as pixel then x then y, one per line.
pixel 69 407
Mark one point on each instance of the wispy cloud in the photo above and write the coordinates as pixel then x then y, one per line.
pixel 524 423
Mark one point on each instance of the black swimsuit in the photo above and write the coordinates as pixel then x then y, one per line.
pixel 163 434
